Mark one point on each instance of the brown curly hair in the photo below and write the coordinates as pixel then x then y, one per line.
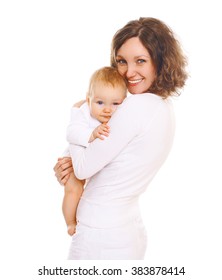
pixel 164 49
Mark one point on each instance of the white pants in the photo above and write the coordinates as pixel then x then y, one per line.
pixel 127 242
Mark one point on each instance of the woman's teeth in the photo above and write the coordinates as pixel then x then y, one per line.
pixel 135 81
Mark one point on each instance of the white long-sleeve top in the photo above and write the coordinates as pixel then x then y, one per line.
pixel 120 167
pixel 81 126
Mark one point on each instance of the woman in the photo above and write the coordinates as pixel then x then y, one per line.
pixel 119 169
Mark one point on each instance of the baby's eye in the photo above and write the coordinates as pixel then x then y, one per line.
pixel 99 102
pixel 116 103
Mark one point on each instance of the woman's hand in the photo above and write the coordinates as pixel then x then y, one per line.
pixel 79 104
pixel 63 169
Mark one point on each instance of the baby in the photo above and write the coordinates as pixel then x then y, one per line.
pixel 107 90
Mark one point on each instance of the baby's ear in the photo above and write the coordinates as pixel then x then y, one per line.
pixel 87 98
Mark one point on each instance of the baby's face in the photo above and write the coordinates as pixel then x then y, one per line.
pixel 104 101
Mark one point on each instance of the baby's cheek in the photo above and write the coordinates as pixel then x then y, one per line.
pixel 114 109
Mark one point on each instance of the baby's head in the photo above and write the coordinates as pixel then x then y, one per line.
pixel 107 90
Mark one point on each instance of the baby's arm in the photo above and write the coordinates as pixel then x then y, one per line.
pixel 79 131
pixel 102 129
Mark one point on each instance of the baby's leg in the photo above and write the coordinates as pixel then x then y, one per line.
pixel 73 191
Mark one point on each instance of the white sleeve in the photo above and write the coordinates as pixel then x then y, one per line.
pixel 66 153
pixel 125 124
pixel 79 131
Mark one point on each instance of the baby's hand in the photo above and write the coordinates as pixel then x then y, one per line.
pixel 102 129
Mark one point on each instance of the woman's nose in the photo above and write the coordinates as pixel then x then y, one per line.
pixel 130 71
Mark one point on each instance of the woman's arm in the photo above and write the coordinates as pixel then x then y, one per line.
pixel 125 125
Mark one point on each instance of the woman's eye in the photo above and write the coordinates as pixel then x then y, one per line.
pixel 121 61
pixel 140 61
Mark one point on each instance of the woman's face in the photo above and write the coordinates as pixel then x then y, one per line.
pixel 135 65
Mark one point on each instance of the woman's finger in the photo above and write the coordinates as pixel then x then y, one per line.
pixel 60 174
pixel 64 180
pixel 62 163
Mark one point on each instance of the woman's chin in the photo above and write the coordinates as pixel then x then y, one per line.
pixel 133 91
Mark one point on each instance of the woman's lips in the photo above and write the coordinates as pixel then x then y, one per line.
pixel 134 82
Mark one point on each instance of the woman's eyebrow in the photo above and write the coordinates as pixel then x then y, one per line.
pixel 137 56
pixel 142 55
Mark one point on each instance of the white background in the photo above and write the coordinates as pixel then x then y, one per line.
pixel 48 51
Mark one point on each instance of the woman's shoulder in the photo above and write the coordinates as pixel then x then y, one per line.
pixel 145 96
pixel 146 104
pixel 144 100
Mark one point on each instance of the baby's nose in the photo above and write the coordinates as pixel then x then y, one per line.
pixel 107 109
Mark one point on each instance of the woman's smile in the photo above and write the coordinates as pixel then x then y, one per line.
pixel 134 82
